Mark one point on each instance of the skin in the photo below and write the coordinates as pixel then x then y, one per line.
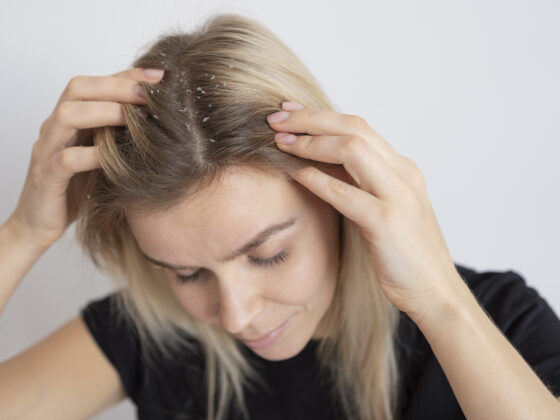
pixel 390 205
pixel 246 300
pixel 387 201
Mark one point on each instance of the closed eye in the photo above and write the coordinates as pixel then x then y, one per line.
pixel 260 262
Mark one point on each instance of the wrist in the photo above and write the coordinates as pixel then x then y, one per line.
pixel 16 235
pixel 448 305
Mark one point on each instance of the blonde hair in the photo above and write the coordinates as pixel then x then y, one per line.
pixel 206 115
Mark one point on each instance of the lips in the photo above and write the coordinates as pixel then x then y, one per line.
pixel 267 339
pixel 262 337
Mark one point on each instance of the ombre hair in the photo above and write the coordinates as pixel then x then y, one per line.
pixel 207 115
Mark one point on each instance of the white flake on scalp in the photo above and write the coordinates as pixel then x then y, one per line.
pixel 212 140
pixel 212 78
pixel 205 119
pixel 189 127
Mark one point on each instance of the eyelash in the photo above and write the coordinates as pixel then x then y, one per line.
pixel 261 262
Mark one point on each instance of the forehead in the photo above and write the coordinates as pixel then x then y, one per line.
pixel 240 204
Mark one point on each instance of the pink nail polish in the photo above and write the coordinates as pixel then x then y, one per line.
pixel 291 106
pixel 278 116
pixel 285 138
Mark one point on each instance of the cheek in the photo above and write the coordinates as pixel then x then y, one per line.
pixel 305 278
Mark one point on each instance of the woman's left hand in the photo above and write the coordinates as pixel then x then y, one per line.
pixel 383 193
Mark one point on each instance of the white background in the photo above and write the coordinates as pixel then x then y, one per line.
pixel 469 90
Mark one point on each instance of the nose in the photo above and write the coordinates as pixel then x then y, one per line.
pixel 239 303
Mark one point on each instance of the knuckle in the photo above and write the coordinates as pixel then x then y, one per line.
pixel 357 123
pixel 74 84
pixel 354 144
pixel 338 187
pixel 303 143
pixel 64 159
pixel 61 112
pixel 413 167
pixel 308 112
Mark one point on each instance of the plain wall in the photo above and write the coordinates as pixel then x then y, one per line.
pixel 468 90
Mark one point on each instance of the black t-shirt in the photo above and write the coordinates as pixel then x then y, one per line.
pixel 175 389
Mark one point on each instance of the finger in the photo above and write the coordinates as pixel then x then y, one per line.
pixel 67 162
pixel 361 160
pixel 104 88
pixel 150 75
pixel 317 121
pixel 354 203
pixel 71 116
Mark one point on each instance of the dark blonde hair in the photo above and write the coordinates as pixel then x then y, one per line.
pixel 206 115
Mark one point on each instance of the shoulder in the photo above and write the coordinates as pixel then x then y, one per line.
pixel 514 305
pixel 170 384
pixel 516 308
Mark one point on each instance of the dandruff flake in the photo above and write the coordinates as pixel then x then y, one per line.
pixel 205 119
pixel 212 78
pixel 213 141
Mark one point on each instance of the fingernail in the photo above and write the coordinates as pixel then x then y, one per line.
pixel 285 138
pixel 140 92
pixel 278 116
pixel 153 73
pixel 291 106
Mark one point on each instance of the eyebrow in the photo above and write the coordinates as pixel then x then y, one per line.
pixel 257 241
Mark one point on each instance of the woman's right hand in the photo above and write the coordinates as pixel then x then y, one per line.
pixel 41 214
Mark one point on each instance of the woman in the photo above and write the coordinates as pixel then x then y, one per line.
pixel 262 274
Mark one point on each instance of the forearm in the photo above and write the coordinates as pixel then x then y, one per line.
pixel 17 256
pixel 489 378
